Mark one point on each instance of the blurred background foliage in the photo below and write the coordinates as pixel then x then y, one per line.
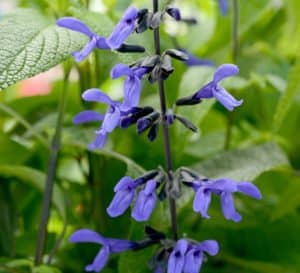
pixel 259 141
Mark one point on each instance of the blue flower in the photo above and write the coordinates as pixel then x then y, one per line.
pixel 121 32
pixel 109 246
pixel 125 191
pixel 188 257
pixel 174 12
pixel 224 187
pixel 194 60
pixel 110 120
pixel 213 89
pixel 145 202
pixel 123 29
pixel 132 84
pixel 195 255
pixel 224 6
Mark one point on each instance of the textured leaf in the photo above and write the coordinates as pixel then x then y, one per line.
pixel 30 44
pixel 244 164
pixel 36 179
pixel 288 97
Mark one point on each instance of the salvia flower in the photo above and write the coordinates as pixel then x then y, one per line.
pixel 193 60
pixel 214 90
pixel 125 192
pixel 187 257
pixel 110 120
pixel 121 32
pixel 224 6
pixel 225 188
pixel 145 202
pixel 123 29
pixel 109 246
pixel 132 84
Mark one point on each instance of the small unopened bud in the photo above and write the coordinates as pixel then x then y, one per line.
pixel 188 124
pixel 146 122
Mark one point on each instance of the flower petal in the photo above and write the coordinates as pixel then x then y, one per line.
pixel 206 92
pixel 87 49
pixel 75 24
pixel 117 245
pixel 120 70
pixel 224 6
pixel 224 71
pixel 99 142
pixel 249 189
pixel 87 116
pixel 228 101
pixel 223 184
pixel 209 246
pixel 177 257
pixel 123 29
pixel 228 208
pixel 132 92
pixel 111 119
pixel 193 261
pixel 99 261
pixel 86 236
pixel 202 201
pixel 120 202
pixel 97 95
pixel 145 202
pixel 124 183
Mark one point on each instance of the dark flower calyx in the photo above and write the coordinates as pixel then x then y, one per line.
pixel 177 54
pixel 156 20
pixel 136 113
pixel 190 20
pixel 154 234
pixel 125 48
pixel 188 124
pixel 143 21
pixel 147 121
pixel 174 12
pixel 153 132
pixel 190 100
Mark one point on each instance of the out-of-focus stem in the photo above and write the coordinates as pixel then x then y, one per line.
pixel 54 150
pixel 163 106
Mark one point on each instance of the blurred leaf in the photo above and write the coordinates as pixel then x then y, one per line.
pixel 244 164
pixel 284 104
pixel 30 44
pixel 36 179
pixel 289 200
pixel 46 269
pixel 257 266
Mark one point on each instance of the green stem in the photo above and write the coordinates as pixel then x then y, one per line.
pixel 234 54
pixel 54 151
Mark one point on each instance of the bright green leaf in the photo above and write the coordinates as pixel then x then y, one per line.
pixel 30 44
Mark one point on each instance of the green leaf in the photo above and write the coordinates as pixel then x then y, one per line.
pixel 244 164
pixel 284 104
pixel 46 269
pixel 36 179
pixel 30 44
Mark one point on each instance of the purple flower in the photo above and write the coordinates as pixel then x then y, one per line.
pixel 123 29
pixel 96 41
pixel 125 191
pixel 121 32
pixel 109 246
pixel 224 6
pixel 188 257
pixel 174 12
pixel 194 60
pixel 224 188
pixel 177 257
pixel 145 202
pixel 132 84
pixel 213 89
pixel 110 120
pixel 195 254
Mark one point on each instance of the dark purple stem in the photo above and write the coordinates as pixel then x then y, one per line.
pixel 163 106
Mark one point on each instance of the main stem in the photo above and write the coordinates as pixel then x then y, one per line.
pixel 54 150
pixel 163 106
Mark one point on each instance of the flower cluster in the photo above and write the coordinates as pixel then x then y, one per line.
pixel 173 256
